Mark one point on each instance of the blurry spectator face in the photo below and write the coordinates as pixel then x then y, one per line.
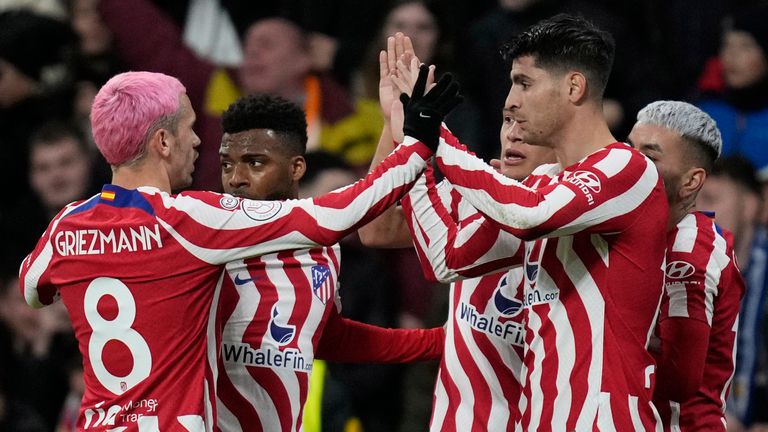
pixel 744 62
pixel 14 86
pixel 415 21
pixel 23 320
pixel 95 37
pixel 255 166
pixel 665 148
pixel 519 159
pixel 326 181
pixel 734 207
pixel 275 58
pixel 59 172
pixel 183 147
pixel 516 5
pixel 535 101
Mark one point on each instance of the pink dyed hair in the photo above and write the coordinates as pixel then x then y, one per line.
pixel 128 108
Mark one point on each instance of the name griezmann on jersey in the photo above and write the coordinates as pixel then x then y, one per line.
pixel 98 242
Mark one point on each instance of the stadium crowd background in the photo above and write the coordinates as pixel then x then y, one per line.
pixel 55 54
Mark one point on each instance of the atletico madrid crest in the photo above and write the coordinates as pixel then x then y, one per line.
pixel 322 283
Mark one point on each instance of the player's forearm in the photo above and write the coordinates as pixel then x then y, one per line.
pixel 342 211
pixel 449 250
pixel 355 342
pixel 389 229
pixel 682 358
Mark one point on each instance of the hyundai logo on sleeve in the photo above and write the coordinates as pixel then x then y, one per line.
pixel 679 270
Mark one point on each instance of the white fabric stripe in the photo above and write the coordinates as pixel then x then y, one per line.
pixel 440 408
pixel 463 415
pixel 616 206
pixel 604 413
pixel 601 247
pixel 211 352
pixel 208 412
pixel 227 421
pixel 565 340
pixel 286 303
pixel 634 414
pixel 436 241
pixel 678 300
pixel 499 413
pixel 535 373
pixel 292 240
pixel 684 242
pixel 724 391
pixel 718 261
pixel 674 421
pixel 43 259
pixel 616 161
pixel 441 402
pixel 245 310
pixel 594 307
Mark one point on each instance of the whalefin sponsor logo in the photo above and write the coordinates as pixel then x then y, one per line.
pixel 510 332
pixel 280 333
pixel 245 354
pixel 506 306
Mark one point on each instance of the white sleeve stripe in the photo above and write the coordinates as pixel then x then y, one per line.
pixel 616 161
pixel 684 242
pixel 294 240
pixel 617 206
pixel 718 260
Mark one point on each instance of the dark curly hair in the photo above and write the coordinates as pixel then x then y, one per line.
pixel 268 112
pixel 566 42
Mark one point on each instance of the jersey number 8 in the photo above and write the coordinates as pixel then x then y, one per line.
pixel 118 329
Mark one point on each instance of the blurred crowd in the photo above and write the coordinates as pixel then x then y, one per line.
pixel 323 55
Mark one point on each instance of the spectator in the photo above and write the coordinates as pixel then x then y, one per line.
pixel 275 61
pixel 60 171
pixel 733 192
pixel 33 51
pixel 35 346
pixel 741 109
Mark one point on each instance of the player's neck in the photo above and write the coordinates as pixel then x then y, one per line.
pixel 141 175
pixel 678 211
pixel 585 134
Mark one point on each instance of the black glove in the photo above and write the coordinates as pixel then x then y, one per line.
pixel 425 112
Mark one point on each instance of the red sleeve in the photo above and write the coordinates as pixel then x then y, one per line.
pixel 605 193
pixel 682 357
pixel 147 39
pixel 452 243
pixel 347 341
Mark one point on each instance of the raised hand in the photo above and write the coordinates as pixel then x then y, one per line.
pixel 424 112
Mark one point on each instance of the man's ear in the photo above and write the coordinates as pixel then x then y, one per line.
pixel 298 167
pixel 159 142
pixel 577 86
pixel 692 181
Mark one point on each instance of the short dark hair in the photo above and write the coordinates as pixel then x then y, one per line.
pixel 566 42
pixel 55 131
pixel 740 170
pixel 268 112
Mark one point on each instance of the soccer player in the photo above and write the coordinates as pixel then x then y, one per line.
pixel 139 268
pixel 594 229
pixel 280 310
pixel 703 286
pixel 478 384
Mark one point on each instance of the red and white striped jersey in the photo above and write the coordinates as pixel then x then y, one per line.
pixel 478 383
pixel 272 311
pixel 139 271
pixel 595 240
pixel 703 283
